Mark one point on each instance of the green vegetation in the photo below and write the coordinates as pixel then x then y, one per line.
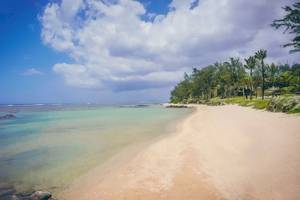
pixel 284 103
pixel 233 82
pixel 288 104
pixel 260 56
pixel 291 23
pixel 256 103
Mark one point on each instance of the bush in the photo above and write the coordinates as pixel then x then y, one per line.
pixel 215 102
pixel 285 104
pixel 296 109
pixel 288 90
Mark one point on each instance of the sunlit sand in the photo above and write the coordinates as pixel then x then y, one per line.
pixel 226 152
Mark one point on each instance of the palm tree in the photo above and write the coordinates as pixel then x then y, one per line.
pixel 237 73
pixel 273 70
pixel 291 23
pixel 250 64
pixel 261 55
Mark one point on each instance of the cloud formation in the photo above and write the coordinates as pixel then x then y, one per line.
pixel 32 72
pixel 119 45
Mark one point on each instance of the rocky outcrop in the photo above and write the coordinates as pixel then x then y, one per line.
pixel 171 105
pixel 41 195
pixel 141 106
pixel 8 116
pixel 134 106
pixel 8 192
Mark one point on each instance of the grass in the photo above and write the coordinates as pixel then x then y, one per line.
pixel 285 103
pixel 295 110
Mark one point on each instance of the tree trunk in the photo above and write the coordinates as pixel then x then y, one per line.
pixel 263 80
pixel 256 92
pixel 251 84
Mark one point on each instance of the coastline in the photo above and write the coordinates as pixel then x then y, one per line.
pixel 56 147
pixel 214 153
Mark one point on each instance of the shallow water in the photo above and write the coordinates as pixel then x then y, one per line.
pixel 47 148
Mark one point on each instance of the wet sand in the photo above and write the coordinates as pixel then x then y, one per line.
pixel 225 152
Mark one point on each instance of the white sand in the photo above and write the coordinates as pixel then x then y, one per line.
pixel 226 152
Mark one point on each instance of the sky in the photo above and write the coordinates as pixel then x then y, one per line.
pixel 125 51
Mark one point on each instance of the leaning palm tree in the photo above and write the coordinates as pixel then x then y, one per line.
pixel 250 64
pixel 261 55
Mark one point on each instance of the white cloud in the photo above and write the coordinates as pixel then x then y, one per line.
pixel 32 72
pixel 112 47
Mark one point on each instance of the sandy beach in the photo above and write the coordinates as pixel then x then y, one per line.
pixel 225 152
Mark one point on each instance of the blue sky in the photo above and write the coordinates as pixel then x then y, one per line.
pixel 22 49
pixel 123 51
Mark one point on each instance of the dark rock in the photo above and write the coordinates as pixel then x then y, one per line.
pixel 14 197
pixel 6 192
pixel 41 195
pixel 24 196
pixel 141 106
pixel 9 197
pixel 176 106
pixel 134 106
pixel 9 192
pixel 8 116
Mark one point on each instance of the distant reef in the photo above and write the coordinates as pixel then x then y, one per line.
pixel 171 105
pixel 135 106
pixel 7 116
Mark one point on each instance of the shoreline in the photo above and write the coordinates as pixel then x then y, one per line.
pixel 125 155
pixel 57 147
pixel 214 153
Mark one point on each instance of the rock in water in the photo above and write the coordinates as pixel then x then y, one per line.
pixel 8 116
pixel 171 105
pixel 6 190
pixel 14 197
pixel 9 192
pixel 41 195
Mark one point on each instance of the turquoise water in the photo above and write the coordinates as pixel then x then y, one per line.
pixel 49 148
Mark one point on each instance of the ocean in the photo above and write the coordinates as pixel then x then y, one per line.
pixel 49 146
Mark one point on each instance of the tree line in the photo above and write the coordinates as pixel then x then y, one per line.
pixel 249 77
pixel 235 77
